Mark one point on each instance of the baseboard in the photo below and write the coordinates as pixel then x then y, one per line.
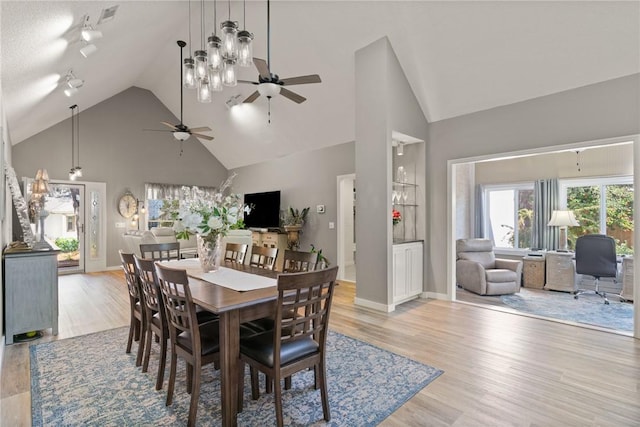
pixel 385 308
pixel 113 268
pixel 435 295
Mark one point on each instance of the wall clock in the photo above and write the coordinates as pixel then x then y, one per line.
pixel 128 205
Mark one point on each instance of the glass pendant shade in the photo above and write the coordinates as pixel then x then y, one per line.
pixel 229 73
pixel 188 71
pixel 245 48
pixel 213 51
pixel 72 174
pixel 204 90
pixel 229 40
pixel 215 81
pixel 201 64
pixel 78 171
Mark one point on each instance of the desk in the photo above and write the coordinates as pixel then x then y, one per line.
pixel 233 308
pixel 561 272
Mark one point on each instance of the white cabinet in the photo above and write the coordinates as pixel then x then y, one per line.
pixel 271 239
pixel 561 272
pixel 407 271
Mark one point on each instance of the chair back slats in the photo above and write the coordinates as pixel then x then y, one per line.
pixel 130 274
pixel 263 257
pixel 149 284
pixel 176 296
pixel 304 303
pixel 160 251
pixel 236 252
pixel 297 261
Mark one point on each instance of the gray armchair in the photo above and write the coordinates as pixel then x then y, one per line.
pixel 478 270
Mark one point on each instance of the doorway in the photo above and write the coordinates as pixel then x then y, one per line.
pixel 347 227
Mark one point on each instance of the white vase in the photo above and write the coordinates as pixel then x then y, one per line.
pixel 209 252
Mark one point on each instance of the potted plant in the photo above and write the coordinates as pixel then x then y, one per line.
pixel 293 223
pixel 322 262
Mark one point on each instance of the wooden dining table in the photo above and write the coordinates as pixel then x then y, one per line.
pixel 234 308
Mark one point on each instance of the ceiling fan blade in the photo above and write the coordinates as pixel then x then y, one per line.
pixel 292 96
pixel 301 80
pixel 252 97
pixel 199 135
pixel 169 125
pixel 248 82
pixel 201 129
pixel 262 67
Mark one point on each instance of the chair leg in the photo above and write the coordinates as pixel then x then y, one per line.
pixel 189 378
pixel 147 349
pixel 287 383
pixel 172 377
pixel 196 372
pixel 277 389
pixel 132 326
pixel 255 392
pixel 240 385
pixel 268 381
pixel 322 377
pixel 162 363
pixel 141 334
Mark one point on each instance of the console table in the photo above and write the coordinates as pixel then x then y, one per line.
pixel 561 272
pixel 30 292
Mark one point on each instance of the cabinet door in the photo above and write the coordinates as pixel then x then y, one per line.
pixel 399 272
pixel 414 267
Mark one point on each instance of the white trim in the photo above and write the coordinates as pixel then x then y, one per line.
pixel 385 308
pixel 340 225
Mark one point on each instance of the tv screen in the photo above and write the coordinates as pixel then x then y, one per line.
pixel 265 210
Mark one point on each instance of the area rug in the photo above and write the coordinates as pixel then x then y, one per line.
pixel 89 380
pixel 589 308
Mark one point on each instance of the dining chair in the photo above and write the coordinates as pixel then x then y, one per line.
pixel 155 314
pixel 297 261
pixel 298 339
pixel 137 322
pixel 263 257
pixel 235 252
pixel 160 251
pixel 197 344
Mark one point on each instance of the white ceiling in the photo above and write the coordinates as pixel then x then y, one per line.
pixel 459 57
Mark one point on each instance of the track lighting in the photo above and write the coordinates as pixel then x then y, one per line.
pixel 73 83
pixel 88 33
pixel 88 49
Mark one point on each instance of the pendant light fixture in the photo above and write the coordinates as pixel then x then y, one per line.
pixel 188 66
pixel 215 57
pixel 201 55
pixel 245 47
pixel 76 171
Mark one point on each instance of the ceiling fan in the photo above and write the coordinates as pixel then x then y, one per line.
pixel 269 84
pixel 182 132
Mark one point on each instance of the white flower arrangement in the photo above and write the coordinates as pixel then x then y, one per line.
pixel 208 215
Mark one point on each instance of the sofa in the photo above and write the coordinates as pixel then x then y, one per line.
pixel 479 271
pixel 133 238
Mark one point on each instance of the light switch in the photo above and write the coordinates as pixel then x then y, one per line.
pixel 332 225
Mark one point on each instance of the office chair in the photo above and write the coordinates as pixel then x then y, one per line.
pixel 596 256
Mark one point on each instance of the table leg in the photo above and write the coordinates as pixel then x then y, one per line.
pixel 229 353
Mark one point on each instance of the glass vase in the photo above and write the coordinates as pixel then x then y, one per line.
pixel 209 252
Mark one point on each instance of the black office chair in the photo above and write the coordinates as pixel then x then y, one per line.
pixel 596 256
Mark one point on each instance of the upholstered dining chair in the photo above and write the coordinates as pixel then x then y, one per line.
pixel 296 261
pixel 160 251
pixel 137 322
pixel 235 252
pixel 154 314
pixel 263 257
pixel 197 344
pixel 298 339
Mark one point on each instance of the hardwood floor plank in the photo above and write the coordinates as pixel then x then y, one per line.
pixel 500 368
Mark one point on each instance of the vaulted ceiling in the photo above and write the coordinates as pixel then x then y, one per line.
pixel 459 57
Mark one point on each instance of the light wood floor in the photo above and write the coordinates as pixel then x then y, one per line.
pixel 500 368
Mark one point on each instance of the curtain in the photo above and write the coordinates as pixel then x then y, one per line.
pixel 546 200
pixel 156 191
pixel 479 230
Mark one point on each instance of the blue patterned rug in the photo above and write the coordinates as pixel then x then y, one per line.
pixel 589 308
pixel 89 380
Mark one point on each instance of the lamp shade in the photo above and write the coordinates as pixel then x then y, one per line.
pixel 563 219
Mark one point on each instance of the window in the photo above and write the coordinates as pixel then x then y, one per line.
pixel 509 215
pixel 602 206
pixel 71 223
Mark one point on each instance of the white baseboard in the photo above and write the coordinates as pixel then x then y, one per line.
pixel 385 308
pixel 435 295
pixel 113 268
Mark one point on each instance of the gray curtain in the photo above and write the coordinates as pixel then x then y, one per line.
pixel 479 230
pixel 546 200
pixel 156 191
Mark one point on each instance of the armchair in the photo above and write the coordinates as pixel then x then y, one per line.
pixel 478 270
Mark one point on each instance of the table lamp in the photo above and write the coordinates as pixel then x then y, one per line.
pixel 39 189
pixel 563 219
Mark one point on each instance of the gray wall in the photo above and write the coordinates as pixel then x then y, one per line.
pixel 384 103
pixel 115 149
pixel 304 179
pixel 598 111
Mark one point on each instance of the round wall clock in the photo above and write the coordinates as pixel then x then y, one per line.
pixel 127 206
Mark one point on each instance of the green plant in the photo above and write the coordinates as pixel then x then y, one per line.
pixel 67 244
pixel 239 225
pixel 321 258
pixel 295 216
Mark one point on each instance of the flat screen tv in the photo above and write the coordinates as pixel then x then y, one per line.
pixel 265 210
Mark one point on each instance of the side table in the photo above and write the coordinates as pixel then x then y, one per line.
pixel 533 271
pixel 627 279
pixel 561 272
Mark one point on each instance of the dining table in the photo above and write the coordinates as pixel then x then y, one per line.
pixel 216 292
